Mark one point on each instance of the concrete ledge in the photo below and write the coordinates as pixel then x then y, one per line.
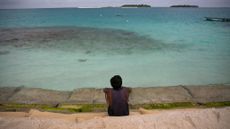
pixel 88 95
pixel 36 96
pixel 159 95
pixel 197 94
pixel 206 94
pixel 7 92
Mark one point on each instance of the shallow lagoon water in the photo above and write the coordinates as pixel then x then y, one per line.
pixel 78 48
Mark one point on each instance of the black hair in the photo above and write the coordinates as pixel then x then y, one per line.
pixel 116 82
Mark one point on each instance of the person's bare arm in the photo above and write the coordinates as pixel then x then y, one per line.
pixel 107 95
pixel 106 90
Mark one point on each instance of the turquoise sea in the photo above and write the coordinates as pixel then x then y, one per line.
pixel 69 48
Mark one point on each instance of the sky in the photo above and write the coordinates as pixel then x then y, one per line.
pixel 105 3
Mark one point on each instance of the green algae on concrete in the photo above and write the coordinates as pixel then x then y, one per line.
pixel 75 108
pixel 63 108
pixel 165 105
pixel 85 107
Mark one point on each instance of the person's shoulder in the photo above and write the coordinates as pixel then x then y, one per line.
pixel 128 89
pixel 106 90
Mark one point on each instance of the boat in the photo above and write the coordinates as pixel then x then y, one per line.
pixel 217 19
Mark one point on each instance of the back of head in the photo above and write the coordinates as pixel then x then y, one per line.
pixel 116 82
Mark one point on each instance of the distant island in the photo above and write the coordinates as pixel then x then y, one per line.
pixel 136 6
pixel 185 6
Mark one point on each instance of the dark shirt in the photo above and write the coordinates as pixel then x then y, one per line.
pixel 118 101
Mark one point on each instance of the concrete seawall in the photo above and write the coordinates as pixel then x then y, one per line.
pixel 199 94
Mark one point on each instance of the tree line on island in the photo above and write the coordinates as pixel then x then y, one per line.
pixel 148 6
pixel 135 6
pixel 185 6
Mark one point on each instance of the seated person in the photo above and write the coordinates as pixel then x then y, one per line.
pixel 117 97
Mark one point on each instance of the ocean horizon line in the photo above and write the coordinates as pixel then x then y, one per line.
pixel 28 8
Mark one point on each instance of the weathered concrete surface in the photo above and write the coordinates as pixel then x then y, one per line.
pixel 159 95
pixel 34 95
pixel 89 95
pixel 201 94
pixel 209 118
pixel 7 92
pixel 209 93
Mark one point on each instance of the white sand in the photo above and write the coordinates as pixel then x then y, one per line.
pixel 212 118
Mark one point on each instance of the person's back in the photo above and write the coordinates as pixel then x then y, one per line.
pixel 117 98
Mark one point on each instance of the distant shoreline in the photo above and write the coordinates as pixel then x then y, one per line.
pixel 184 6
pixel 152 7
pixel 135 6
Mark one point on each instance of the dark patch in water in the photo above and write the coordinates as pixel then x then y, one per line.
pixel 88 40
pixel 120 15
pixel 82 60
pixel 4 52
pixel 87 52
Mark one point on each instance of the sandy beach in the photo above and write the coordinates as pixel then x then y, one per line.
pixel 210 118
